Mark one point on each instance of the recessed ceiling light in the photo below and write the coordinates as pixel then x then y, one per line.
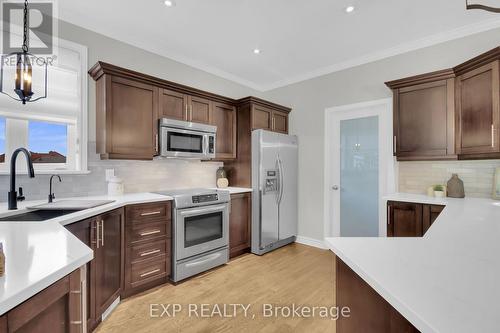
pixel 349 9
pixel 169 3
pixel 256 51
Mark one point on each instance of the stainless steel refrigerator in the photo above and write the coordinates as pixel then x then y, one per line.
pixel 274 196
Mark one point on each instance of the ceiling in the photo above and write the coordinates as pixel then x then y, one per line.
pixel 298 39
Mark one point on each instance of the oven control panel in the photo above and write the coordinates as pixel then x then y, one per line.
pixel 204 198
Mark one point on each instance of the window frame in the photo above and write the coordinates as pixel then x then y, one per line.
pixel 77 131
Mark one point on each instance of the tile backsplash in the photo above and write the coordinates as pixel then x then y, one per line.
pixel 415 177
pixel 138 176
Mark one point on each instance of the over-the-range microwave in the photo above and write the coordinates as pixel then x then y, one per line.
pixel 183 139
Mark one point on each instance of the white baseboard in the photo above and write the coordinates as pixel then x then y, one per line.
pixel 311 242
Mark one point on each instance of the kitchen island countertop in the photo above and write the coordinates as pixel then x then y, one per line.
pixel 446 281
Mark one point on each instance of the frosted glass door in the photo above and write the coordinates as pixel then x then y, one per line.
pixel 359 177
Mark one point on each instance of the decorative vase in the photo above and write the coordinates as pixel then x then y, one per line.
pixel 456 187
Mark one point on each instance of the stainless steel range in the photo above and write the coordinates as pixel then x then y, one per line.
pixel 200 230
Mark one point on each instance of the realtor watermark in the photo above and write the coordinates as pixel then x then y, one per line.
pixel 42 28
pixel 233 310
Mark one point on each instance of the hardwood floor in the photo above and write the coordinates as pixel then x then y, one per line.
pixel 294 274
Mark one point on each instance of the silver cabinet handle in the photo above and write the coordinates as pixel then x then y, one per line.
pixel 388 215
pixel 150 272
pixel 143 254
pixel 492 135
pixel 156 141
pixel 394 145
pixel 151 213
pixel 102 232
pixel 150 233
pixel 98 240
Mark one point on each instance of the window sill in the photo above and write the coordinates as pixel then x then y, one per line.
pixel 48 172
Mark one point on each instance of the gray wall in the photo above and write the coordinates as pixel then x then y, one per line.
pixel 138 176
pixel 309 100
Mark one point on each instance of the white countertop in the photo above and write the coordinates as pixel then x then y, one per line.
pixel 446 281
pixel 236 190
pixel 40 253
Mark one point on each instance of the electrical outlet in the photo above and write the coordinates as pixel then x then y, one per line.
pixel 109 173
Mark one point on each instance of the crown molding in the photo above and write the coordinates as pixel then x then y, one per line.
pixel 435 39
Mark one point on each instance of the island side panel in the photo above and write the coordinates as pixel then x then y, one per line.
pixel 369 312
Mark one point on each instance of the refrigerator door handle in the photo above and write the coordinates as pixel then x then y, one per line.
pixel 280 191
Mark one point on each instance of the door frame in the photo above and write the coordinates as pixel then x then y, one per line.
pixel 387 162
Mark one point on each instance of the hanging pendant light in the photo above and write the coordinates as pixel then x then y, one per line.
pixel 23 67
pixel 482 7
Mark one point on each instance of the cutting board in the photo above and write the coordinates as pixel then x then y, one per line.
pixel 72 204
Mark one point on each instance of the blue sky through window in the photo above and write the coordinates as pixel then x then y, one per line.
pixel 45 137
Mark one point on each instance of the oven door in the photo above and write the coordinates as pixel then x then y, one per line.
pixel 201 229
pixel 183 143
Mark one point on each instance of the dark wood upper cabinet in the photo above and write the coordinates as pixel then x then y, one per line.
pixel 173 105
pixel 130 103
pixel 478 110
pixel 200 110
pixel 424 117
pixel 126 114
pixel 108 259
pixel 449 114
pixel 262 117
pixel 240 221
pixel 253 113
pixel 280 122
pixel 224 117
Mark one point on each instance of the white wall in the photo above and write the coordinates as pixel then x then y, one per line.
pixel 309 99
pixel 138 176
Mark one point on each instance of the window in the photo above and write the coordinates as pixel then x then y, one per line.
pixel 48 143
pixel 54 129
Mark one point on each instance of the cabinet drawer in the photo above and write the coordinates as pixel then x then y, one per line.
pixel 149 250
pixel 148 212
pixel 143 272
pixel 148 231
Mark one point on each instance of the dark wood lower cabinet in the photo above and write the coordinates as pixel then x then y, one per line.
pixel 369 312
pixel 406 219
pixel 240 221
pixel 104 235
pixel 108 257
pixel 55 309
pixel 147 246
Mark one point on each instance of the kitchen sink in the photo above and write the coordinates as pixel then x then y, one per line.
pixel 37 215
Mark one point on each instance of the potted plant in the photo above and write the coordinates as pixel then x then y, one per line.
pixel 439 191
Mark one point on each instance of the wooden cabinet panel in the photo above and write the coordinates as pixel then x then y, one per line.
pixel 147 246
pixel 224 117
pixel 404 219
pixel 131 119
pixel 478 93
pixel 173 105
pixel 54 309
pixel 108 259
pixel 85 231
pixel 261 118
pixel 369 312
pixel 240 221
pixel 424 121
pixel 280 122
pixel 200 110
pixel 429 215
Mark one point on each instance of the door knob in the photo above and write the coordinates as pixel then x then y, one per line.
pixel 335 187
